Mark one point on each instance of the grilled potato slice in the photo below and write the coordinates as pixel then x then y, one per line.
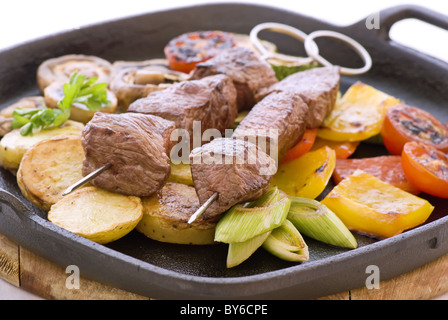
pixel 181 173
pixel 166 215
pixel 49 168
pixel 97 214
pixel 13 145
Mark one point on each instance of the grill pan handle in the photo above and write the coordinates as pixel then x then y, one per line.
pixel 395 14
pixel 21 211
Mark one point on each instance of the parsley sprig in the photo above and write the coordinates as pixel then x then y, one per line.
pixel 79 89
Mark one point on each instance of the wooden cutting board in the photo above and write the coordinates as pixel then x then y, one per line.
pixel 36 275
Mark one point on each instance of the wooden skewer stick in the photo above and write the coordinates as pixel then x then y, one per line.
pixel 86 179
pixel 203 208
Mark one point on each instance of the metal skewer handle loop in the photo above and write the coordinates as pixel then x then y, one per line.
pixel 310 47
pixel 285 29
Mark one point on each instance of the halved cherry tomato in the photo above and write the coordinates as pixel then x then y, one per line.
pixel 405 123
pixel 386 168
pixel 426 168
pixel 187 50
pixel 302 147
pixel 343 150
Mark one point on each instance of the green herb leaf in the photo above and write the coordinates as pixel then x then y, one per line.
pixel 79 89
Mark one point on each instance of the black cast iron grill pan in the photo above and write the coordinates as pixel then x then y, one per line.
pixel 165 271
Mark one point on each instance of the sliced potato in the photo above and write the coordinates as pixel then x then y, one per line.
pixel 96 214
pixel 181 173
pixel 13 145
pixel 49 168
pixel 166 215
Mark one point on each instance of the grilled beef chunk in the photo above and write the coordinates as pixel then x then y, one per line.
pixel 248 72
pixel 237 170
pixel 318 87
pixel 211 100
pixel 276 121
pixel 136 145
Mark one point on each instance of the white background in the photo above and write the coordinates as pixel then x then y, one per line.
pixel 26 20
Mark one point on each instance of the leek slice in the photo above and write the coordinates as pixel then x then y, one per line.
pixel 241 251
pixel 287 243
pixel 242 223
pixel 314 220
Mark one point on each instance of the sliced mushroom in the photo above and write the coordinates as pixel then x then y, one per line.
pixel 6 115
pixel 132 80
pixel 60 69
pixel 79 112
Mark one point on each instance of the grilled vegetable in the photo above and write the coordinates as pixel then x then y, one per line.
pixel 132 80
pixel 249 232
pixel 302 147
pixel 358 115
pixel 13 145
pixel 287 243
pixel 166 215
pixel 316 221
pixel 241 223
pixel 385 168
pixel 241 251
pixel 426 168
pixel 405 123
pixel 181 173
pixel 61 68
pixel 284 69
pixel 187 50
pixel 49 168
pixel 307 176
pixel 370 206
pixel 343 149
pixel 96 214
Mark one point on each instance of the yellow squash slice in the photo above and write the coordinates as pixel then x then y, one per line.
pixel 370 206
pixel 166 215
pixel 13 145
pixel 49 168
pixel 307 176
pixel 96 214
pixel 358 115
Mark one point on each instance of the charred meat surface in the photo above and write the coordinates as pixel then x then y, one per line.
pixel 277 121
pixel 237 170
pixel 136 146
pixel 245 67
pixel 318 87
pixel 211 100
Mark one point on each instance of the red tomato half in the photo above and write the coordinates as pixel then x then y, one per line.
pixel 187 50
pixel 302 147
pixel 426 168
pixel 404 124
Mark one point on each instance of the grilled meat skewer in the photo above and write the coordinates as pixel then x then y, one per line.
pixel 135 146
pixel 248 71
